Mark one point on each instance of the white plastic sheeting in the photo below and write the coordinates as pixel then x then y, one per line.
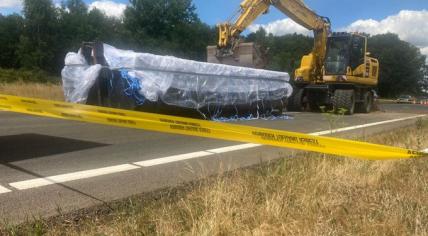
pixel 179 82
pixel 78 77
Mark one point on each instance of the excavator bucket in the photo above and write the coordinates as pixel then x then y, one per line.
pixel 245 55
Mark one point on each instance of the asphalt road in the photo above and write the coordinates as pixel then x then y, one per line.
pixel 49 166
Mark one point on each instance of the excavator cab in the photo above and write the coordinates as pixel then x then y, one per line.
pixel 344 51
pixel 347 60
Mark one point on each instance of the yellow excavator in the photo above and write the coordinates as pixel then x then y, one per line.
pixel 338 73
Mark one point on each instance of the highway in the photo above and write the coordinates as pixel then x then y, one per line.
pixel 49 166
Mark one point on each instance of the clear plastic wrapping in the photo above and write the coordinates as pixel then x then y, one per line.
pixel 179 82
pixel 78 77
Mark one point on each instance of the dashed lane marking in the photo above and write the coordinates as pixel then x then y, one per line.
pixel 175 158
pixel 365 125
pixel 4 190
pixel 39 182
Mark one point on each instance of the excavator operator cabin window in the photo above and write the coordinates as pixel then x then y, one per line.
pixel 337 57
pixel 357 51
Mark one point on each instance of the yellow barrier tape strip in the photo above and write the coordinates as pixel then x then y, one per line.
pixel 202 128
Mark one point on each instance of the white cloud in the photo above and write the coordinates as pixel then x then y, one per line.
pixel 410 26
pixel 110 8
pixel 10 3
pixel 281 27
pixel 424 51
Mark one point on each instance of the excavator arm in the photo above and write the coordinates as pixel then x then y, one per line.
pixel 229 33
pixel 311 65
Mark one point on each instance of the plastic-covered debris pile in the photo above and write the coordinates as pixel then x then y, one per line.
pixel 107 76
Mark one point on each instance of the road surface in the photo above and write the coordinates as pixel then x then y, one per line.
pixel 48 165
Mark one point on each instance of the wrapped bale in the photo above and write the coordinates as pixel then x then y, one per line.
pixel 168 84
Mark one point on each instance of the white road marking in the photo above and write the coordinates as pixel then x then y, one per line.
pixel 425 150
pixel 164 160
pixel 365 125
pixel 4 190
pixel 192 155
pixel 34 183
pixel 39 182
pixel 233 148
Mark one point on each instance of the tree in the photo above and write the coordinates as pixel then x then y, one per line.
pixel 76 7
pixel 38 41
pixel 168 27
pixel 259 37
pixel 73 25
pixel 401 65
pixel 158 18
pixel 11 28
pixel 284 52
pixel 100 27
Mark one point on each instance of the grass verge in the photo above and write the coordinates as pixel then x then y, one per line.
pixel 310 194
pixel 33 90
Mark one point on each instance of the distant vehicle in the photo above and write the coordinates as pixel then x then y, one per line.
pixel 422 99
pixel 406 99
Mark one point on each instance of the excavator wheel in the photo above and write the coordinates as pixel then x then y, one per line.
pixel 344 99
pixel 314 101
pixel 367 104
pixel 296 101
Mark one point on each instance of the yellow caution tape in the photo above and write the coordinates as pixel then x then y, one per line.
pixel 202 128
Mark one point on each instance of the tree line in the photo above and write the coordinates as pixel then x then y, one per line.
pixel 39 38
